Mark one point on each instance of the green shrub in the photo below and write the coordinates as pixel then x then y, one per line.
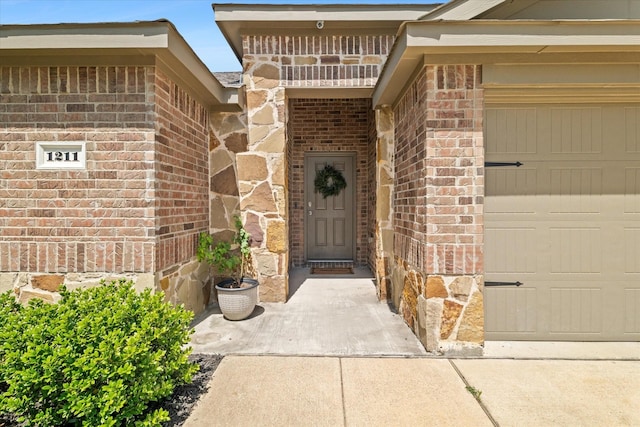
pixel 97 358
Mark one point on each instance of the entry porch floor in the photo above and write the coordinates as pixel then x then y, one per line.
pixel 327 315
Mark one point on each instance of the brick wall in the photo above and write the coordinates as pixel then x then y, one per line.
pixel 439 183
pixel 409 181
pixel 325 125
pixel 143 197
pixel 454 170
pixel 371 194
pixel 93 220
pixel 181 173
pixel 321 61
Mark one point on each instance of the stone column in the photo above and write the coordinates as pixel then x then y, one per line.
pixel 262 176
pixel 384 200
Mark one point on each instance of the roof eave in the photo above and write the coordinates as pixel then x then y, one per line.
pixel 462 10
pixel 128 43
pixel 417 40
pixel 236 20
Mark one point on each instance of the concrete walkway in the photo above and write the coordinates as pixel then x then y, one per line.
pixel 331 391
pixel 325 315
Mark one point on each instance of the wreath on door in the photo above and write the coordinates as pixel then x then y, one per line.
pixel 329 181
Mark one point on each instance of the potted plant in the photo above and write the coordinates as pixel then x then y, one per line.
pixel 237 294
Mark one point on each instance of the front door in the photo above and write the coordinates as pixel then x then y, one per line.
pixel 329 225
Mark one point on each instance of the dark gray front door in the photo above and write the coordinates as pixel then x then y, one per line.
pixel 329 222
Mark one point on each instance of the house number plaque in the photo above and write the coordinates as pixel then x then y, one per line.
pixel 60 156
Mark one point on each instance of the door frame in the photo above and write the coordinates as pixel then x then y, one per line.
pixel 352 193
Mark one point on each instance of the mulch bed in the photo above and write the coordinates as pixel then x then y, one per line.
pixel 184 398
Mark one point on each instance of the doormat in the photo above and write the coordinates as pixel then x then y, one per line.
pixel 331 270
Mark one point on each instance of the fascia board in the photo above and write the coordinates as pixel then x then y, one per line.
pixel 398 67
pixel 310 13
pixel 70 36
pixel 523 35
pixel 462 10
pixel 416 40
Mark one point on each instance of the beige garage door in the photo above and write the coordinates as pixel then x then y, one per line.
pixel 565 224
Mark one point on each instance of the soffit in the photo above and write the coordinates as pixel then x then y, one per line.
pixel 236 20
pixel 482 42
pixel 137 43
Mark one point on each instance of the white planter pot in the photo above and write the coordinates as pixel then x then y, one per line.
pixel 238 303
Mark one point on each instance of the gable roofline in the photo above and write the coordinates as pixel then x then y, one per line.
pixel 127 43
pixel 236 20
pixel 482 41
pixel 462 10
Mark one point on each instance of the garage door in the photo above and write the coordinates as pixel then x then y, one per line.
pixel 565 224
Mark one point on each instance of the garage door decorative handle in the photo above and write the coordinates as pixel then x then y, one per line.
pixel 503 283
pixel 498 164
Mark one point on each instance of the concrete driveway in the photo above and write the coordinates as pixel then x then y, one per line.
pixel 325 316
pixel 331 391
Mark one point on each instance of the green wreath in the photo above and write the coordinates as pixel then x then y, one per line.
pixel 329 182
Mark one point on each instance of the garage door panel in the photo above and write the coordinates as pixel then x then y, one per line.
pixel 515 310
pixel 509 183
pixel 632 251
pixel 632 129
pixel 506 245
pixel 576 310
pixel 563 310
pixel 511 130
pixel 632 311
pixel 565 224
pixel 632 190
pixel 580 188
pixel 576 130
pixel 576 250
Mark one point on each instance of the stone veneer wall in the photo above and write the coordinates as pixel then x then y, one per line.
pixel 383 232
pixel 79 226
pixel 328 125
pixel 437 281
pixel 227 138
pixel 272 64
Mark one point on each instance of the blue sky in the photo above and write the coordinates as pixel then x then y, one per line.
pixel 193 18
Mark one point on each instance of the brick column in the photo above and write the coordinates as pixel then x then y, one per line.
pixel 439 259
